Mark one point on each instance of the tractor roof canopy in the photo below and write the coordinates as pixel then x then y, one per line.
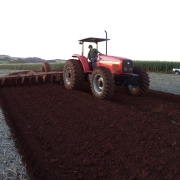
pixel 92 39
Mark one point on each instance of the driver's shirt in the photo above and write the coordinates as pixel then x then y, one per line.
pixel 93 53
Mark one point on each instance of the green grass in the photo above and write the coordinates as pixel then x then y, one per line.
pixel 29 66
pixel 3 61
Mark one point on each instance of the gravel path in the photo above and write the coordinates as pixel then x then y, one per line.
pixel 11 167
pixel 169 83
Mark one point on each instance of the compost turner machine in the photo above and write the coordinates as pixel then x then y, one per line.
pixel 109 71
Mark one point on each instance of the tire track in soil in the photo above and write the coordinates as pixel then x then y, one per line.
pixel 65 134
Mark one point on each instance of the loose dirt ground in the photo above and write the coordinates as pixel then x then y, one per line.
pixel 70 135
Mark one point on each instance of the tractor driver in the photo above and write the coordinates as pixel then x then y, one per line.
pixel 92 55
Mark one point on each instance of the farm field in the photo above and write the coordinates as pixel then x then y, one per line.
pixel 150 66
pixel 28 66
pixel 65 134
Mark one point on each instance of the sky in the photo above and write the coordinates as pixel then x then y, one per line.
pixel 50 29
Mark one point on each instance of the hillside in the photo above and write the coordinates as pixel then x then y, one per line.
pixel 9 59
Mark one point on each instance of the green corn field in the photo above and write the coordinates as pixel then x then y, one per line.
pixel 151 66
pixel 157 66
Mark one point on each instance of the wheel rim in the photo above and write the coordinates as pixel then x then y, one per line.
pixel 176 73
pixel 68 75
pixel 98 83
pixel 133 88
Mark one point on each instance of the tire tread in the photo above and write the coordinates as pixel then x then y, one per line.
pixel 109 83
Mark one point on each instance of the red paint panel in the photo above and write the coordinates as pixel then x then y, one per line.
pixel 113 63
pixel 84 62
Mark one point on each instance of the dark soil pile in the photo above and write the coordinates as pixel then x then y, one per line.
pixel 68 135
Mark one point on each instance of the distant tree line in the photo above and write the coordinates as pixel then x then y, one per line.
pixel 9 59
pixel 34 60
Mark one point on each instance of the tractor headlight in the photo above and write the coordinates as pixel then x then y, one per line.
pixel 127 66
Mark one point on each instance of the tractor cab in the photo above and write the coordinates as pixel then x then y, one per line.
pixel 92 40
pixel 117 65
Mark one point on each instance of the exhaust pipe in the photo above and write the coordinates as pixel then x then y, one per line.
pixel 106 43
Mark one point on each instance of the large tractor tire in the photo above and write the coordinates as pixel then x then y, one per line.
pixel 45 67
pixel 141 88
pixel 73 74
pixel 102 83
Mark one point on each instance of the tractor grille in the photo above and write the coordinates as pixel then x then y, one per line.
pixel 115 68
pixel 127 66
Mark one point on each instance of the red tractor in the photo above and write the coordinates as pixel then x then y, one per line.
pixel 110 71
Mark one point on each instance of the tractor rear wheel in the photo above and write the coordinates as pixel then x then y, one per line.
pixel 142 87
pixel 102 83
pixel 73 74
pixel 45 67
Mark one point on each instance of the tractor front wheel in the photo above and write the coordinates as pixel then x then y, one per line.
pixel 102 83
pixel 73 74
pixel 142 86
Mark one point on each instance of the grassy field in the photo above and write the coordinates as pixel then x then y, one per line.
pixel 29 66
pixel 151 66
pixel 3 61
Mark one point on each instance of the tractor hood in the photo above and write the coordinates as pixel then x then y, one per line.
pixel 116 64
pixel 111 58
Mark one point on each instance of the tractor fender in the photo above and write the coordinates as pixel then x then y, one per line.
pixel 84 62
